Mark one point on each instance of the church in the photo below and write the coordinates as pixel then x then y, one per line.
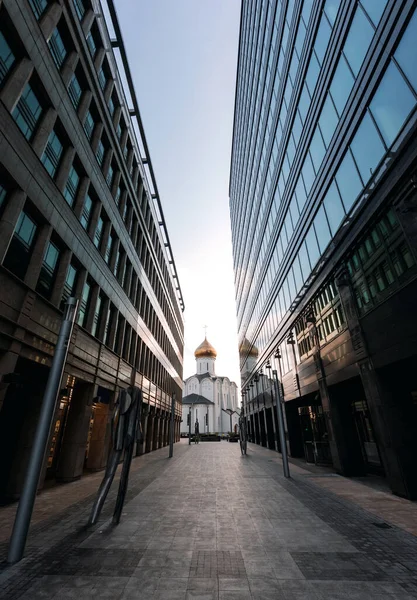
pixel 209 395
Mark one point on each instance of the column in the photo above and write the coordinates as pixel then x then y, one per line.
pixel 92 309
pixel 38 253
pixel 14 206
pixel 15 85
pixel 61 276
pixel 64 168
pixel 84 105
pixel 43 131
pixel 80 197
pixel 50 19
pixel 74 443
pixel 69 66
pixel 87 21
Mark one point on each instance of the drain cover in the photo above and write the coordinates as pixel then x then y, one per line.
pixel 382 525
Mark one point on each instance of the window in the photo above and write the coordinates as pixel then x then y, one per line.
pixel 100 152
pixel 322 229
pixel 112 106
pixel 406 255
pixel 334 208
pixel 79 8
pixel 322 39
pixel 367 148
pixel 57 48
pixel 48 271
pixel 84 304
pixel 89 125
pixel 117 196
pixel 7 58
pixel 98 313
pixel 38 7
pixel 374 9
pixel 99 232
pixel 71 187
pixel 92 47
pixel 3 193
pixel 348 181
pixel 19 252
pixel 328 120
pixel 109 324
pixel 75 91
pixel 312 246
pixel 341 85
pixel 69 285
pixel 103 75
pixel 109 247
pixel 358 40
pixel 317 149
pixel 406 54
pixel 392 104
pixel 110 176
pixel 52 153
pixel 86 214
pixel 28 112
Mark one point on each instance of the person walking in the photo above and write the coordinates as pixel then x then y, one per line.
pixel 196 432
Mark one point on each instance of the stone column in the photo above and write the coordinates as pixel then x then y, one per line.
pixel 14 86
pixel 69 66
pixel 43 131
pixel 61 276
pixel 38 254
pixel 80 197
pixel 95 138
pixel 94 219
pixel 108 90
pixel 84 105
pixel 50 19
pixel 92 309
pixel 74 443
pixel 14 206
pixel 64 168
pixel 87 21
pixel 98 59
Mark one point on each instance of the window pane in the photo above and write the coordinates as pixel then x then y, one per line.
pixel 342 84
pixel 308 173
pixel 331 7
pixel 357 42
pixel 312 75
pixel 348 181
pixel 74 91
pixel 25 229
pixel 85 297
pixel 367 148
pixel 322 39
pixel 312 247
pixel 72 186
pixel 27 112
pixel 57 48
pixel 392 103
pixel 406 54
pixel 317 149
pixel 7 58
pixel 334 208
pixel 86 214
pixel 328 120
pixel 38 7
pixel 304 261
pixel 3 194
pixel 322 229
pixel 52 154
pixel 374 8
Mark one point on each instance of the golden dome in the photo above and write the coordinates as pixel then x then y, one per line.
pixel 247 350
pixel 205 350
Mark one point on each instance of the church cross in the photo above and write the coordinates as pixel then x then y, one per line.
pixel 205 330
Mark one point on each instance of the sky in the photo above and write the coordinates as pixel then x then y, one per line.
pixel 182 56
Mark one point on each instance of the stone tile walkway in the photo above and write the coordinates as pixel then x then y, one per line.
pixel 212 525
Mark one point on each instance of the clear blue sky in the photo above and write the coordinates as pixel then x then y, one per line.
pixel 182 55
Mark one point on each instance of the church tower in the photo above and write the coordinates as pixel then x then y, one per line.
pixel 205 356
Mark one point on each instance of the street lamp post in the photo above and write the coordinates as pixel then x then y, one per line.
pixel 189 426
pixel 280 418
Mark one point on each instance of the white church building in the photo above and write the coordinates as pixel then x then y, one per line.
pixel 209 396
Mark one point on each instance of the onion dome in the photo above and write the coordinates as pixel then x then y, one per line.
pixel 247 350
pixel 205 350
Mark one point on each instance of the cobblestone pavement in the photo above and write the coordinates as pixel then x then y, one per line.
pixel 210 524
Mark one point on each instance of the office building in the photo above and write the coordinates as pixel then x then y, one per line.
pixel 80 216
pixel 323 209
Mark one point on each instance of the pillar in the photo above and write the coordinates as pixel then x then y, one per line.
pixel 74 442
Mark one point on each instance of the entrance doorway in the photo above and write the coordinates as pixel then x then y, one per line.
pixel 315 436
pixel 366 436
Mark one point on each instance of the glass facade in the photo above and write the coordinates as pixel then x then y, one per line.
pixel 71 186
pixel 48 270
pixel 294 181
pixel 57 48
pixel 52 154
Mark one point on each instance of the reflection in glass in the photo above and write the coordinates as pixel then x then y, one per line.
pixel 334 208
pixel 348 181
pixel 406 53
pixel 312 246
pixel 357 42
pixel 342 84
pixel 392 103
pixel 374 8
pixel 328 120
pixel 317 149
pixel 367 148
pixel 322 229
